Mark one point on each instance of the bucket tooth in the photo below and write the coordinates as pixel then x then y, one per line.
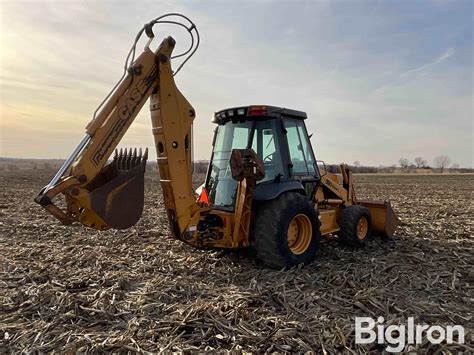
pixel 128 155
pixel 134 157
pixel 140 157
pixel 119 159
pixel 128 164
pixel 145 156
pixel 116 158
pixel 123 162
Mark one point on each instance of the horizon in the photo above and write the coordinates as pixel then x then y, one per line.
pixel 379 80
pixel 396 166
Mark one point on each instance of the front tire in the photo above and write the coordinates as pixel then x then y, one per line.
pixel 286 231
pixel 356 226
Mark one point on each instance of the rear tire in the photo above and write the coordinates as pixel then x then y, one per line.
pixel 356 226
pixel 286 231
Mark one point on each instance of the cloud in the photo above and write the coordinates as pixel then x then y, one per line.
pixel 377 6
pixel 425 67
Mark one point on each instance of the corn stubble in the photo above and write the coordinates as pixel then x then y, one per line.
pixel 72 289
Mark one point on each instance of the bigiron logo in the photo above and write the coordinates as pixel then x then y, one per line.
pixel 368 331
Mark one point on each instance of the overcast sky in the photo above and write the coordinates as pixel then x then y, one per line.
pixel 380 80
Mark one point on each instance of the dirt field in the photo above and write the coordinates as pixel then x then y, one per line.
pixel 73 289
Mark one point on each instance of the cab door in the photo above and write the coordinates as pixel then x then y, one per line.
pixel 302 163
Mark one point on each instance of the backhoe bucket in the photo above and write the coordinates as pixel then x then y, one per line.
pixel 384 219
pixel 117 194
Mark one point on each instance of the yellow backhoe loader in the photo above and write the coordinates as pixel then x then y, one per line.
pixel 264 188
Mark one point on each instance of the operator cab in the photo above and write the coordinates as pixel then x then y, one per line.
pixel 278 135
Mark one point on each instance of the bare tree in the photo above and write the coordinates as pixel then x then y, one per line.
pixel 404 163
pixel 420 162
pixel 442 162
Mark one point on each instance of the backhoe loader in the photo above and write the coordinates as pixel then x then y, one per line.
pixel 264 188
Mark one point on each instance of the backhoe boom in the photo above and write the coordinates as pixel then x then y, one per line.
pixel 111 196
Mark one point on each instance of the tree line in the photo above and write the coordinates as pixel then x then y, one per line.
pixel 440 163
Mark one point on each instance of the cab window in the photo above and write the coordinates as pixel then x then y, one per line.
pixel 266 144
pixel 219 184
pixel 299 147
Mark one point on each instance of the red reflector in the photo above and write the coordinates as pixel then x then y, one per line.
pixel 257 110
pixel 203 197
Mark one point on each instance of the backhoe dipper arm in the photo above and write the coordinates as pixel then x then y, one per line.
pixel 111 196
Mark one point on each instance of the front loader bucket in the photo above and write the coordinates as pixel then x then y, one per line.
pixel 117 194
pixel 384 219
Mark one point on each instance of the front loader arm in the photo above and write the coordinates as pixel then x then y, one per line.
pixel 101 195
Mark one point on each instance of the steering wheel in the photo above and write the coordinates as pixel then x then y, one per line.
pixel 268 158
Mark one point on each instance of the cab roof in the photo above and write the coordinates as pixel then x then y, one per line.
pixel 244 113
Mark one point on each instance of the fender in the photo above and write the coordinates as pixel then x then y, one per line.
pixel 271 190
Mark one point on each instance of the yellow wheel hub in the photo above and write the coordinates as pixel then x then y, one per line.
pixel 300 232
pixel 362 228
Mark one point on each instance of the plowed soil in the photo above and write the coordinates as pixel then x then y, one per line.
pixel 75 289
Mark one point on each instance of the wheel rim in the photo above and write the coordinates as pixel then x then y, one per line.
pixel 362 228
pixel 300 232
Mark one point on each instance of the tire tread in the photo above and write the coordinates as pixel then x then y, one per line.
pixel 267 228
pixel 348 225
